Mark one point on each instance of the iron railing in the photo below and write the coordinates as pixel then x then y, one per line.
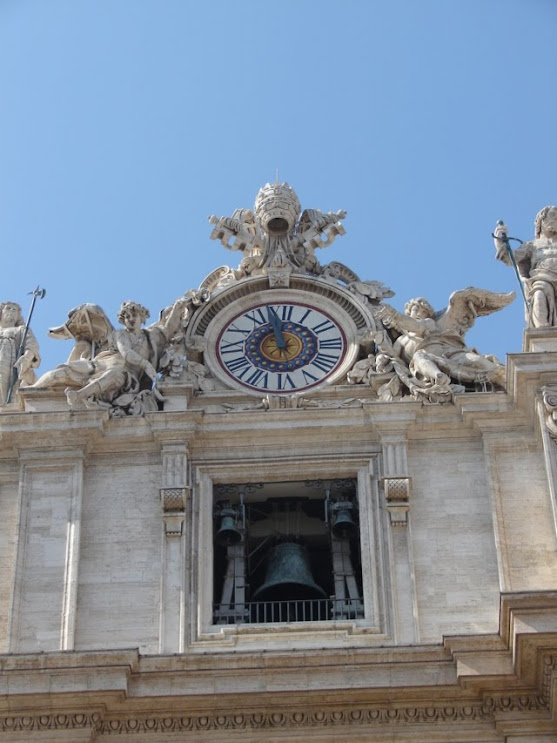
pixel 304 610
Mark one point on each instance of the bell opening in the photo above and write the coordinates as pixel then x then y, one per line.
pixel 278 558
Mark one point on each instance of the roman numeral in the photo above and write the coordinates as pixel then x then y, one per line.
pixel 233 347
pixel 258 374
pixel 282 385
pixel 256 316
pixel 286 312
pixel 235 365
pixel 334 343
pixel 322 327
pixel 306 313
pixel 324 361
pixel 309 378
pixel 235 329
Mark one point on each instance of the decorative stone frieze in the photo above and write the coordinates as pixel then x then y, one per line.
pixel 278 719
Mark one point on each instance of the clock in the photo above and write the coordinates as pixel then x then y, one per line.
pixel 280 341
pixel 281 347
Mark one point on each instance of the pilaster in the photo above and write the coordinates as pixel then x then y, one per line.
pixel 396 488
pixel 44 597
pixel 546 408
pixel 174 496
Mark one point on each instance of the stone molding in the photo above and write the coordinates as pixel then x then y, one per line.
pixel 174 502
pixel 174 499
pixel 450 711
pixel 397 495
pixel 480 704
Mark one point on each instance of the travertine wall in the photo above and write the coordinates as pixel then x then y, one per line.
pixel 453 539
pixel 120 563
pixel 113 534
pixel 8 531
pixel 525 526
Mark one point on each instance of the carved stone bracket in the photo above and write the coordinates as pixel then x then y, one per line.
pixel 397 495
pixel 549 399
pixel 279 276
pixel 174 501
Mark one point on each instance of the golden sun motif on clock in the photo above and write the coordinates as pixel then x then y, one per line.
pixel 271 350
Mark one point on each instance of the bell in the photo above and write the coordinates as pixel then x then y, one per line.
pixel 343 525
pixel 228 532
pixel 288 576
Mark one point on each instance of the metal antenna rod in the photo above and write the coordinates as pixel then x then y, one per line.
pixel 37 293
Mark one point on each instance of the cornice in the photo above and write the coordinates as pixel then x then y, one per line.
pixel 498 682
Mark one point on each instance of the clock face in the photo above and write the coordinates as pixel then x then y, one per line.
pixel 281 347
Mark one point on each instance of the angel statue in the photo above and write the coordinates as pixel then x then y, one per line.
pixel 12 335
pixel 437 359
pixel 121 374
pixel 536 263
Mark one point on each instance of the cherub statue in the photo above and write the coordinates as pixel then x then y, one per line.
pixel 537 266
pixel 378 372
pixel 175 365
pixel 432 343
pixel 127 365
pixel 12 333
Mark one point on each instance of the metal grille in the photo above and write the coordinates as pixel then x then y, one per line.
pixel 311 610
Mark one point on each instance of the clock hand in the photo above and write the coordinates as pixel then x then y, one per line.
pixel 276 324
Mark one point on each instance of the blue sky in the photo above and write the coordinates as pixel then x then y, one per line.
pixel 125 123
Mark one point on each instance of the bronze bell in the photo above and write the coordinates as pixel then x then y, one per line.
pixel 343 525
pixel 228 532
pixel 288 575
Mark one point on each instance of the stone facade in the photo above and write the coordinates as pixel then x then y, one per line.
pixel 112 579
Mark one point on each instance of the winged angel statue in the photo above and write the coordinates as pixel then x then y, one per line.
pixel 424 351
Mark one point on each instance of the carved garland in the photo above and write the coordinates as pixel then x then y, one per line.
pixel 549 668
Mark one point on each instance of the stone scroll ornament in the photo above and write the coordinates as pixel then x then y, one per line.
pixel 118 370
pixel 423 352
pixel 536 265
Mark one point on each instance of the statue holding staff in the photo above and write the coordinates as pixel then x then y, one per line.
pixel 536 265
pixel 19 350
